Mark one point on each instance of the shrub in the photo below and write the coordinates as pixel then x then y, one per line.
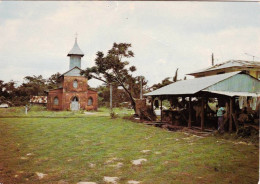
pixel 113 115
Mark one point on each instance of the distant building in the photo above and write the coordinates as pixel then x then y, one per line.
pixel 250 67
pixel 73 92
pixel 38 100
pixel 4 105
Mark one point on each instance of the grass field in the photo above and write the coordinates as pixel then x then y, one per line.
pixel 73 147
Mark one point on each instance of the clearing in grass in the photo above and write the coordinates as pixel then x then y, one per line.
pixel 96 148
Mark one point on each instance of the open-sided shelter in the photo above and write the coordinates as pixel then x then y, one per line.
pixel 227 85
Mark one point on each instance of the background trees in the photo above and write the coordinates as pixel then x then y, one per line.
pixel 16 95
pixel 112 68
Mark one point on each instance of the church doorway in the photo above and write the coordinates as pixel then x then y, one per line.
pixel 74 105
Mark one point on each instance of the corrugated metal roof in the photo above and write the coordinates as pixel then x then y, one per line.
pixel 229 64
pixel 4 105
pixel 75 50
pixel 229 93
pixel 38 99
pixel 238 83
pixel 191 86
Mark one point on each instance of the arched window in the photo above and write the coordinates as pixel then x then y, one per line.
pixel 90 101
pixel 56 101
pixel 75 84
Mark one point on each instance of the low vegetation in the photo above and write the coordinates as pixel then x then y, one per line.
pixel 71 147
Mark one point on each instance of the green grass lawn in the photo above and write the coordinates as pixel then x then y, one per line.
pixel 89 147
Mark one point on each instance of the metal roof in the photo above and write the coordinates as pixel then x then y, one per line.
pixel 191 86
pixel 38 99
pixel 229 93
pixel 75 50
pixel 229 64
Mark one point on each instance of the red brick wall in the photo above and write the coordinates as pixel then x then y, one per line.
pixel 68 84
pixel 94 96
pixel 68 92
pixel 52 94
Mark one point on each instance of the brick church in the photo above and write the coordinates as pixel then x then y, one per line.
pixel 72 93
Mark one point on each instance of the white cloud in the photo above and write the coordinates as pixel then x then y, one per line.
pixel 164 35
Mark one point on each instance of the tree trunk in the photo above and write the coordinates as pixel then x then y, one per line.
pixel 131 97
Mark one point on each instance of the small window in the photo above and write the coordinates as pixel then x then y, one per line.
pixel 56 101
pixel 90 101
pixel 75 84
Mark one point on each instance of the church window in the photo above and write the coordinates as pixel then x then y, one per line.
pixel 90 101
pixel 56 101
pixel 75 84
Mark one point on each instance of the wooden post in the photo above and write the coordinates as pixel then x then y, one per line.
pixel 189 121
pixel 235 120
pixel 111 105
pixel 161 109
pixel 152 102
pixel 230 114
pixel 202 114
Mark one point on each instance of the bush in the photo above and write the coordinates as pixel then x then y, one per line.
pixel 113 115
pixel 248 132
pixel 37 108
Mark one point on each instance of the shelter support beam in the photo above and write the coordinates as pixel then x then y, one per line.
pixel 152 103
pixel 189 121
pixel 230 114
pixel 235 120
pixel 202 114
pixel 161 109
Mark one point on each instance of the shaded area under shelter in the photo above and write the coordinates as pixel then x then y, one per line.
pixel 192 101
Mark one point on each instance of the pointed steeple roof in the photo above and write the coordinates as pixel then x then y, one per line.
pixel 75 50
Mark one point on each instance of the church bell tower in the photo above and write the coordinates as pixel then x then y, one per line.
pixel 75 55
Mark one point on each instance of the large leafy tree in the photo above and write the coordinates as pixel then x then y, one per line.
pixel 53 81
pixel 113 68
pixel 166 81
pixel 34 85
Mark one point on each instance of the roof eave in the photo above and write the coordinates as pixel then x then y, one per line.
pixel 76 55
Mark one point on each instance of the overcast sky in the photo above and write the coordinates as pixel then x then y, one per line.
pixel 36 36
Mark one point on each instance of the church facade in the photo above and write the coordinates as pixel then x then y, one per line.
pixel 73 93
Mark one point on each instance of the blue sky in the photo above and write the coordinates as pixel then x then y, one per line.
pixel 36 36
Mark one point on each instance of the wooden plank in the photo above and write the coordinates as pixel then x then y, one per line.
pixel 230 114
pixel 235 120
pixel 202 114
pixel 161 109
pixel 189 121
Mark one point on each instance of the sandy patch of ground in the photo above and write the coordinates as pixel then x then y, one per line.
pixel 90 113
pixel 118 165
pixel 145 151
pixel 40 175
pixel 111 160
pixel 133 182
pixel 91 165
pixel 108 179
pixel 138 161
